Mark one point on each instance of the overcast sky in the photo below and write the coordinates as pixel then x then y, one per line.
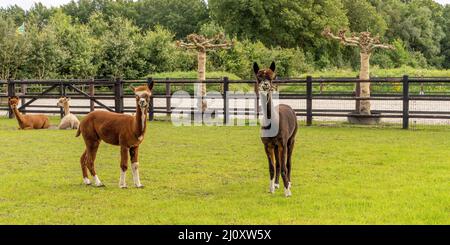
pixel 26 4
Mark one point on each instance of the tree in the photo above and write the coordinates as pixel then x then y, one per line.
pixel 419 24
pixel 76 42
pixel 446 41
pixel 363 16
pixel 278 23
pixel 202 45
pixel 82 10
pixel 181 17
pixel 118 50
pixel 14 49
pixel 158 50
pixel 14 12
pixel 288 24
pixel 39 15
pixel 45 54
pixel 367 44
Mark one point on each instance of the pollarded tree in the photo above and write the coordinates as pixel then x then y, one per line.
pixel 367 44
pixel 203 44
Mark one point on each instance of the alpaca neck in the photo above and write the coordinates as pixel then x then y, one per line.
pixel 140 121
pixel 267 107
pixel 18 115
pixel 66 109
pixel 267 113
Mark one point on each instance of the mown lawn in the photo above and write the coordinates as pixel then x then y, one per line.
pixel 219 175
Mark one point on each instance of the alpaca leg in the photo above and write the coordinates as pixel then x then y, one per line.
pixel 278 170
pixel 64 124
pixel 83 163
pixel 134 152
pixel 123 166
pixel 270 152
pixel 289 157
pixel 282 157
pixel 46 124
pixel 91 154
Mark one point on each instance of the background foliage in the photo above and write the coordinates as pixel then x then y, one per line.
pixel 132 39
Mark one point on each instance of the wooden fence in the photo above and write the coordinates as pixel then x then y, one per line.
pixel 310 90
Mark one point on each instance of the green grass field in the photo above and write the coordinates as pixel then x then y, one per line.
pixel 219 175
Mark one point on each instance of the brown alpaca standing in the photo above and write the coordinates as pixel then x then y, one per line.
pixel 116 129
pixel 27 121
pixel 278 130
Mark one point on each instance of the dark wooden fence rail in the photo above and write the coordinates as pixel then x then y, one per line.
pixel 115 91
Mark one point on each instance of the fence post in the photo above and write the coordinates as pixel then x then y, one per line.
pixel 405 102
pixel 308 101
pixel 91 95
pixel 23 90
pixel 257 104
pixel 151 110
pixel 358 95
pixel 11 92
pixel 226 106
pixel 118 96
pixel 168 98
pixel 62 93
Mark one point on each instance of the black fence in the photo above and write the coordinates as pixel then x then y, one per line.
pixel 316 96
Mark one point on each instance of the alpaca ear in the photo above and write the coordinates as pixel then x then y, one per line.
pixel 131 87
pixel 272 66
pixel 150 85
pixel 255 68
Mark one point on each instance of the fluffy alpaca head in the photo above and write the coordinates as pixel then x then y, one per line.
pixel 62 101
pixel 264 78
pixel 13 101
pixel 143 94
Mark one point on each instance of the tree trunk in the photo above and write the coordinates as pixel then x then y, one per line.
pixel 201 87
pixel 364 105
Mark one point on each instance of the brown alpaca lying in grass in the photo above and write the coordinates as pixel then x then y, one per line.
pixel 116 129
pixel 69 121
pixel 27 121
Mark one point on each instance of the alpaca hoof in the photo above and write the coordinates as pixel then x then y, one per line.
pixel 86 181
pixel 123 186
pixel 277 186
pixel 140 186
pixel 100 185
pixel 287 192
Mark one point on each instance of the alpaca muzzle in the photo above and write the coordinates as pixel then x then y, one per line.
pixel 143 103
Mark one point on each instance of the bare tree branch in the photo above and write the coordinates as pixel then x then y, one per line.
pixel 363 40
pixel 204 44
pixel 348 41
pixel 383 46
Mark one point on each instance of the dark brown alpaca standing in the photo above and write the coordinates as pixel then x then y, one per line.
pixel 27 121
pixel 116 129
pixel 278 130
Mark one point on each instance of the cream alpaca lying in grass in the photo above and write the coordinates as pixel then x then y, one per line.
pixel 69 121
